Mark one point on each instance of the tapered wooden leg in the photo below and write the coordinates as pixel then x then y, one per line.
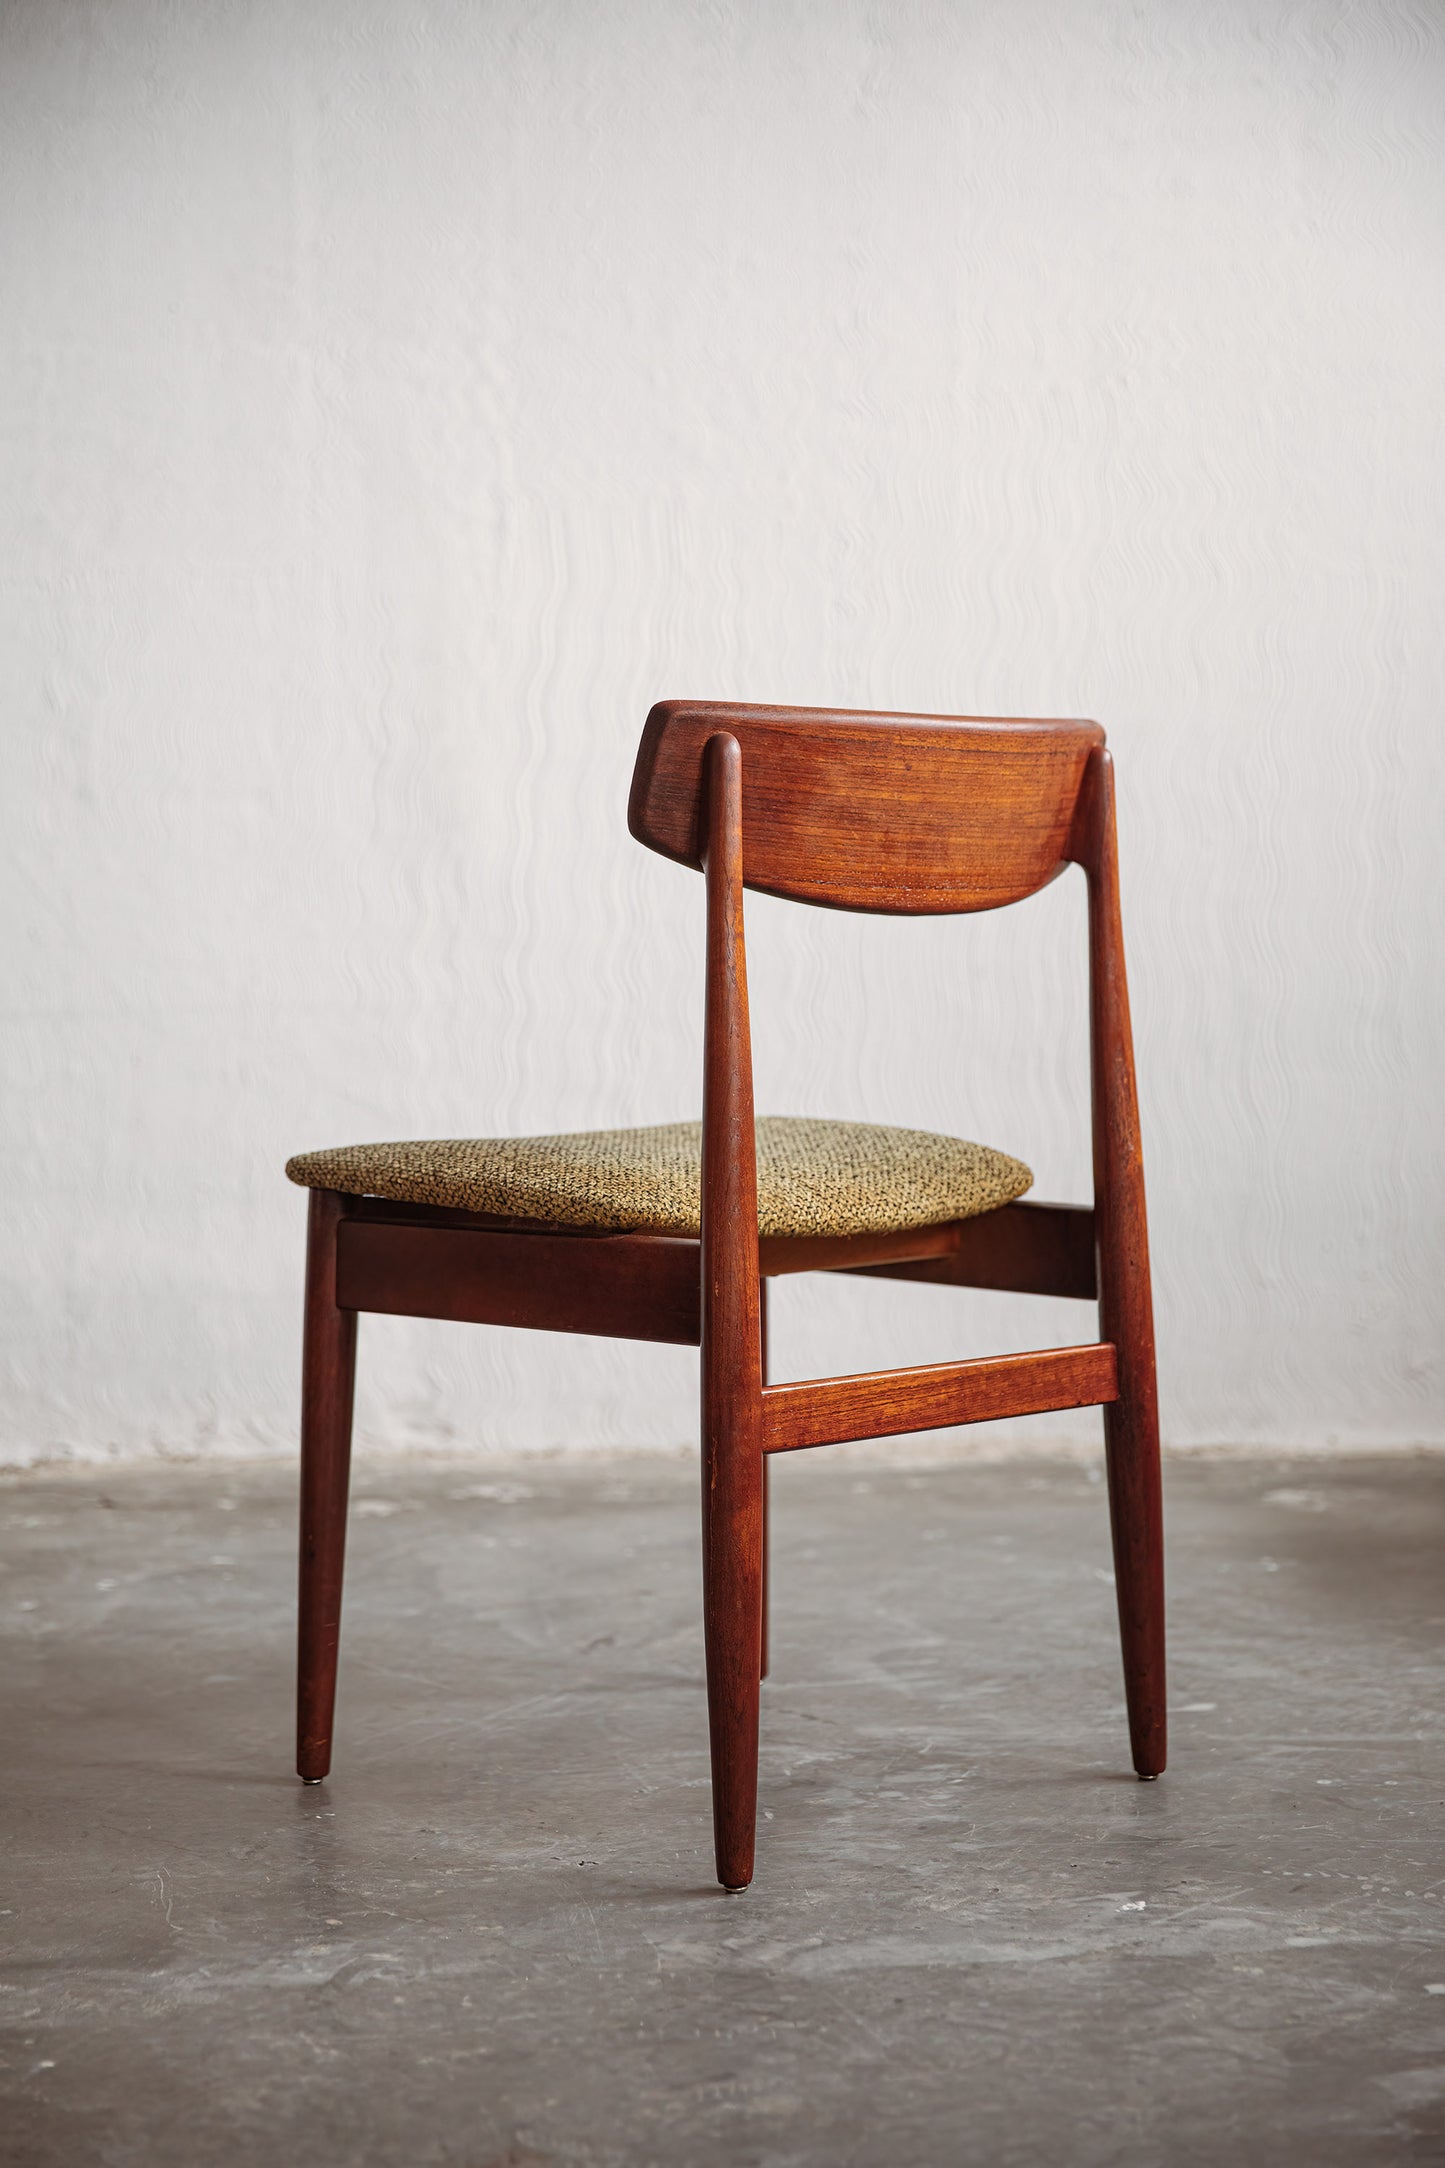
pixel 732 1340
pixel 1126 1314
pixel 1136 1514
pixel 328 1369
pixel 732 1626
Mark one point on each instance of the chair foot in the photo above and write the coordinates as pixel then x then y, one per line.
pixel 732 1630
pixel 735 1791
pixel 1137 1519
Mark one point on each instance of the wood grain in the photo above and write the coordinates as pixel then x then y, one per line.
pixel 732 1443
pixel 781 1254
pixel 882 1403
pixel 1040 1249
pixel 1126 1314
pixel 627 1287
pixel 867 812
pixel 1024 1248
pixel 766 1599
pixel 328 1373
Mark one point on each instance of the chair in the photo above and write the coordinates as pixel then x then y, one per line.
pixel 672 1234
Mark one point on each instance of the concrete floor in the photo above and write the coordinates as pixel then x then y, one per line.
pixel 493 1937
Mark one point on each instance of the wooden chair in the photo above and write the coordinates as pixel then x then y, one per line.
pixel 895 813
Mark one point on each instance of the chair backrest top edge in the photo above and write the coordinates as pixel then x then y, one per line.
pixel 746 712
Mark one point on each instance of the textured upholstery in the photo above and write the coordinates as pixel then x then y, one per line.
pixel 814 1178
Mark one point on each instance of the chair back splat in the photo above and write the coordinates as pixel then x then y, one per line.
pixel 901 813
pixel 671 1233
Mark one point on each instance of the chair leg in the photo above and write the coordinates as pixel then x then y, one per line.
pixel 1126 1314
pixel 1136 1516
pixel 764 1574
pixel 328 1370
pixel 732 1630
pixel 767 1490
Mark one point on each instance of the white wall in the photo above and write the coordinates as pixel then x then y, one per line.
pixel 399 398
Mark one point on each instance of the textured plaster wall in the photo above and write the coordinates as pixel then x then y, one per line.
pixel 398 398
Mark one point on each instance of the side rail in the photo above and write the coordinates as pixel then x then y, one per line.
pixel 880 1403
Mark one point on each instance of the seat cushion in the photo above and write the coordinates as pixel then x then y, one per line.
pixel 814 1178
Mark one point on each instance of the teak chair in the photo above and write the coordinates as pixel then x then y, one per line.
pixel 602 1234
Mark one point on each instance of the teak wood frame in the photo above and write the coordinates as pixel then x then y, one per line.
pixel 864 812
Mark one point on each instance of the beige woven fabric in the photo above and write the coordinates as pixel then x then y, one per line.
pixel 814 1178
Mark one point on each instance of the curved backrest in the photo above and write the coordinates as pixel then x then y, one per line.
pixel 901 813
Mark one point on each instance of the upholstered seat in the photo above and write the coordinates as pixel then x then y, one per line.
pixel 814 1177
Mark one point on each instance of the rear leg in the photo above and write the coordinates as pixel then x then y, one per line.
pixel 328 1372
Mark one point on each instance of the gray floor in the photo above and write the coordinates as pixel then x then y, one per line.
pixel 493 1937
